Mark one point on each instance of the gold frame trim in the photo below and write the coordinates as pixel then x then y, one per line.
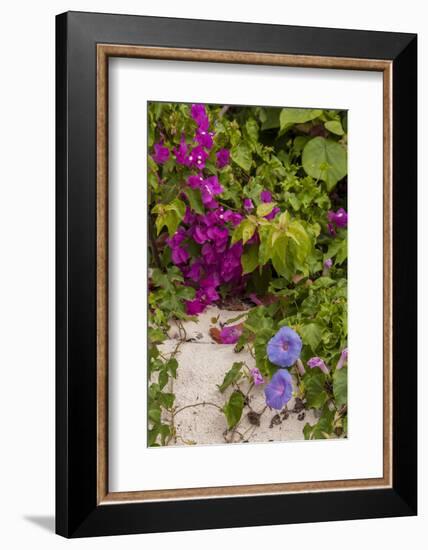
pixel 104 51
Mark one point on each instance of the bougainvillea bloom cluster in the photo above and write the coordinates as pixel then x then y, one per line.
pixel 218 262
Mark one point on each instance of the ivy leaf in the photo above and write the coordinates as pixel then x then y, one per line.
pixel 163 379
pixel 152 436
pixel 231 376
pixel 155 415
pixel 166 399
pixel 250 258
pixel 326 160
pixel 335 127
pixel 340 386
pixel 290 116
pixel 311 335
pixel 233 409
pixel 316 396
pixel 172 366
pixel 195 200
pixel 241 154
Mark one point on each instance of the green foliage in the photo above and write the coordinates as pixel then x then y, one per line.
pixel 323 428
pixel 169 215
pixel 231 376
pixel 233 409
pixel 340 386
pixel 325 159
pixel 300 157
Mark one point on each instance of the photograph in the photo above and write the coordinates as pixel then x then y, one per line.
pixel 247 213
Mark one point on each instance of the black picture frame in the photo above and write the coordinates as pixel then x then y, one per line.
pixel 78 513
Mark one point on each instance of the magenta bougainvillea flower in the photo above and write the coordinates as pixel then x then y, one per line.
pixel 331 229
pixel 223 158
pixel 179 255
pixel 210 187
pixel 339 218
pixel 204 138
pixel 196 158
pixel 194 272
pixel 256 376
pixel 200 116
pixel 161 153
pixel 317 362
pixel 279 390
pixel 195 182
pixel 234 218
pixel 273 213
pixel 180 152
pixel 231 263
pixel 230 335
pixel 343 359
pixel 266 196
pixel 284 348
pixel 248 205
pixel 194 307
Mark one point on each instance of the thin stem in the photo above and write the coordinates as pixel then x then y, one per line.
pixel 203 403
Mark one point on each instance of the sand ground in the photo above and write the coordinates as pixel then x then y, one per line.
pixel 202 366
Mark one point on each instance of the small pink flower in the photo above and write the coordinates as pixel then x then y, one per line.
pixel 257 376
pixel 343 359
pixel 315 362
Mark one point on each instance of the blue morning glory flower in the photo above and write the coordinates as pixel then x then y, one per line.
pixel 279 390
pixel 284 348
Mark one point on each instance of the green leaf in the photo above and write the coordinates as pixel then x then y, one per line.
pixel 155 415
pixel 325 159
pixel 265 249
pixel 163 379
pixel 195 200
pixel 244 231
pixel 172 366
pixel 311 335
pixel 168 219
pixel 152 436
pixel 178 206
pixel 338 249
pixel 250 258
pixel 232 375
pixel 265 208
pixel 289 116
pixel 314 382
pixel 335 127
pixel 322 429
pixel 271 118
pixel 340 386
pixel 252 129
pixel 241 154
pixel 233 409
pixel 167 399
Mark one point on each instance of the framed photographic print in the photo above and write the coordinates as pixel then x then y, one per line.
pixel 236 274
